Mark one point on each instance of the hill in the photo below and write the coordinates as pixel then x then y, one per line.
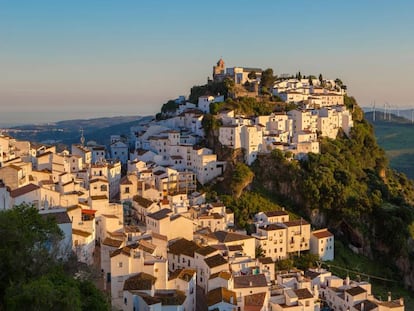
pixel 68 132
pixel 348 187
pixel 395 136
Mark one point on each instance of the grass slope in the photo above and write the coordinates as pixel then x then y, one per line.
pixel 396 137
pixel 357 266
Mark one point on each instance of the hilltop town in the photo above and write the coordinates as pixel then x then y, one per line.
pixel 138 212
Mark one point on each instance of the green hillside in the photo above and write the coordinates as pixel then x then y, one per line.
pixel 396 137
pixel 348 187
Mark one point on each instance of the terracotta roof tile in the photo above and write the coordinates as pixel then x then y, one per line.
pixel 303 293
pixel 59 217
pixel 23 190
pixel 215 261
pixel 143 201
pixel 276 213
pixel 112 242
pixel 354 291
pixel 165 212
pixel 141 281
pixel 183 247
pixel 320 234
pixel 244 281
pixel 221 294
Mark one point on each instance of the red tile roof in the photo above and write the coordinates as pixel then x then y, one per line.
pixel 320 234
pixel 23 190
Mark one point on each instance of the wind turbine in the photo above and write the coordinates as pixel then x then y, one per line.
pixel 373 112
pixel 389 111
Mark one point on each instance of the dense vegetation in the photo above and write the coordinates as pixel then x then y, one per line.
pixel 31 274
pixel 213 88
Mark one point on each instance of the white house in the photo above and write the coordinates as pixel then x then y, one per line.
pixel 322 244
pixel 119 151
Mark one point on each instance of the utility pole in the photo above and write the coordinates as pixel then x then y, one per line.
pixel 385 111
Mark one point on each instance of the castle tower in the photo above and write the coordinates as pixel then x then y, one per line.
pixel 218 70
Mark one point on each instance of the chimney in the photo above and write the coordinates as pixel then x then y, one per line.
pixel 347 281
pixel 389 296
pixel 250 283
pixel 231 300
pixel 401 301
pixel 362 306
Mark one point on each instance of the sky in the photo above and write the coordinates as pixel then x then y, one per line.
pixel 82 59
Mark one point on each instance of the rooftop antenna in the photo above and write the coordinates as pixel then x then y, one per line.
pixel 412 116
pixel 385 111
pixel 82 139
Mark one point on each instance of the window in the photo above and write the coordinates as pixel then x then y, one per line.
pixel 127 190
pixel 120 264
pixel 125 301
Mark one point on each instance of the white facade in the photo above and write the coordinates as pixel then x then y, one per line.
pixel 322 244
pixel 119 151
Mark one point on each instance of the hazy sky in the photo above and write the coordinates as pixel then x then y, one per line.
pixel 78 58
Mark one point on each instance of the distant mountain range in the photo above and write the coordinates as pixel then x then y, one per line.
pixel 382 114
pixel 69 131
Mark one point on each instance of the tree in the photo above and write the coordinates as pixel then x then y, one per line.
pixel 259 252
pixel 52 291
pixel 267 79
pixel 169 106
pixel 252 75
pixel 31 276
pixel 320 78
pixel 310 80
pixel 26 237
pixel 338 82
pixel 230 86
